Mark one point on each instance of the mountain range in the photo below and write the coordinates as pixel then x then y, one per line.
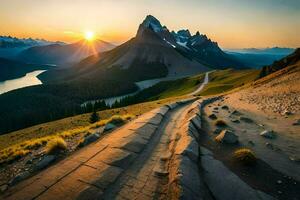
pixel 269 50
pixel 63 53
pixel 13 42
pixel 154 52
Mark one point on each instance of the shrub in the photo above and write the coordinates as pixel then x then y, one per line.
pixel 94 117
pixel 116 119
pixel 221 123
pixel 56 145
pixel 245 156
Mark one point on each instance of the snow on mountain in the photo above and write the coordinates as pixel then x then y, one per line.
pixel 153 23
pixel 13 42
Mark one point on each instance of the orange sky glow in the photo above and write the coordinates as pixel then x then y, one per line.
pixel 231 23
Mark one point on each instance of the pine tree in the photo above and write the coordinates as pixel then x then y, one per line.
pixel 94 117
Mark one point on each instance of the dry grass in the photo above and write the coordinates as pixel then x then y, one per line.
pixel 15 151
pixel 245 156
pixel 56 146
pixel 12 154
pixel 71 126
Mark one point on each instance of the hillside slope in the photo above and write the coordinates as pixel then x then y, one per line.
pixel 282 63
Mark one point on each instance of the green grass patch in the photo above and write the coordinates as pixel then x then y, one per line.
pixel 221 81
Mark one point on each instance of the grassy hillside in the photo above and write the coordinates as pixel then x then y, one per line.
pixel 77 122
pixel 164 89
pixel 225 80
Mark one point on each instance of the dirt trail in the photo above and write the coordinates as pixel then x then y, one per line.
pixel 145 178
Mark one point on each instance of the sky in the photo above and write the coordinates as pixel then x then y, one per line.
pixel 231 23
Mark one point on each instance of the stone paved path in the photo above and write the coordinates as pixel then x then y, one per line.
pixel 148 174
pixel 128 155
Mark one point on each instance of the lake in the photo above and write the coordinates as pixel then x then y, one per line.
pixel 28 80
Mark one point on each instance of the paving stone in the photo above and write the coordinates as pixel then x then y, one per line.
pixel 172 105
pixel 117 157
pixel 187 146
pixel 162 110
pixel 134 144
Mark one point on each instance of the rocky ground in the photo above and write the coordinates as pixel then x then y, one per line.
pixel 264 118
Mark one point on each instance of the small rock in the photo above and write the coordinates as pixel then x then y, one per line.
pixel 89 139
pixel 45 162
pixel 268 134
pixel 269 145
pixel 294 158
pixel 279 182
pixel 225 107
pixel 279 192
pixel 217 131
pixel 286 112
pixel 227 136
pixel 246 119
pixel 28 162
pixel 251 143
pixel 235 112
pixel 109 127
pixel 3 188
pixel 19 178
pixel 297 123
pixel 213 117
pixel 235 121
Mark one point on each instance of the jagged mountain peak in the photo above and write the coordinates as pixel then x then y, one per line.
pixel 184 33
pixel 153 23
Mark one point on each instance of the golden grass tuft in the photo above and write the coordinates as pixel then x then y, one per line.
pixel 11 155
pixel 56 146
pixel 245 156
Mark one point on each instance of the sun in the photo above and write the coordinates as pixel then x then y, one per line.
pixel 89 35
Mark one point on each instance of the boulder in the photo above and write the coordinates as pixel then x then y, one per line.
pixel 109 126
pixel 45 162
pixel 89 139
pixel 296 123
pixel 225 107
pixel 237 113
pixel 212 116
pixel 246 119
pixel 268 134
pixel 228 137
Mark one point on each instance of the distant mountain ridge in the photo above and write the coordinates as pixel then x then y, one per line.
pixel 14 42
pixel 269 50
pixel 63 53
